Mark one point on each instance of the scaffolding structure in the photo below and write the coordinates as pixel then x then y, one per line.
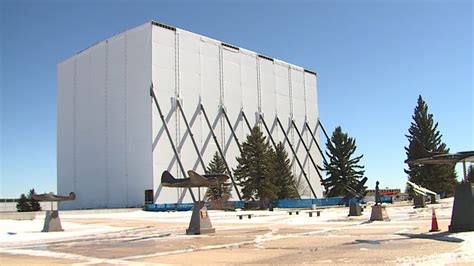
pixel 242 115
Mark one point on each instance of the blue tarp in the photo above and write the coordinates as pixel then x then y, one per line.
pixel 287 203
pixel 386 199
pixel 169 207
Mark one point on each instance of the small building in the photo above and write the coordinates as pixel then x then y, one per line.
pixel 388 195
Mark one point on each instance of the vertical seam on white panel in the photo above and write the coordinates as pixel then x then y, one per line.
pixel 106 118
pixel 290 87
pixel 240 125
pixel 125 124
pixel 222 93
pixel 275 93
pixel 221 76
pixel 241 83
pixel 316 99
pixel 306 119
pixel 259 89
pixel 90 76
pixel 305 98
pixel 150 42
pixel 200 97
pixel 177 94
pixel 176 65
pixel 74 129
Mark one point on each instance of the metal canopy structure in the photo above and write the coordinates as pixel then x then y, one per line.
pixel 447 158
pixel 450 158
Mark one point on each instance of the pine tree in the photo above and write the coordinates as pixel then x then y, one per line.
pixel 255 170
pixel 284 179
pixel 470 174
pixel 343 170
pixel 217 165
pixel 34 204
pixel 424 136
pixel 23 204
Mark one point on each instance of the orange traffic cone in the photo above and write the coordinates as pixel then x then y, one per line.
pixel 434 222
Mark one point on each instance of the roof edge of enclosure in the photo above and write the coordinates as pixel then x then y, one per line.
pixel 227 45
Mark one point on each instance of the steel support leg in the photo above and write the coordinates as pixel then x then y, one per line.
pixel 269 136
pixel 292 150
pixel 191 135
pixel 274 144
pixel 324 131
pixel 317 145
pixel 246 121
pixel 306 148
pixel 231 129
pixel 220 151
pixel 152 94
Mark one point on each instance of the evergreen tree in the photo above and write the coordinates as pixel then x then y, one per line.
pixel 255 170
pixel 34 204
pixel 470 174
pixel 23 204
pixel 424 137
pixel 284 179
pixel 217 165
pixel 341 168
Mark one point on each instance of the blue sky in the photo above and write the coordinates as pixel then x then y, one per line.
pixel 373 59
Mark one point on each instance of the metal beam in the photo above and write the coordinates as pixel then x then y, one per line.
pixel 292 150
pixel 306 148
pixel 152 94
pixel 191 134
pixel 324 131
pixel 231 129
pixel 316 142
pixel 246 120
pixel 269 135
pixel 220 151
pixel 275 147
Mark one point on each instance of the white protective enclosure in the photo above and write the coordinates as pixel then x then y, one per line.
pixel 112 144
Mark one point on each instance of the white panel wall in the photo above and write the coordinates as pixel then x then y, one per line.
pixel 104 152
pixel 189 92
pixel 200 70
pixel 116 104
pixel 65 124
pixel 299 113
pixel 112 144
pixel 312 118
pixel 210 94
pixel 250 85
pixel 165 86
pixel 268 88
pixel 232 77
pixel 139 167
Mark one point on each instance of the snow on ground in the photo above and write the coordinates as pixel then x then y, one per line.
pixel 29 231
pixel 20 233
pixel 12 231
